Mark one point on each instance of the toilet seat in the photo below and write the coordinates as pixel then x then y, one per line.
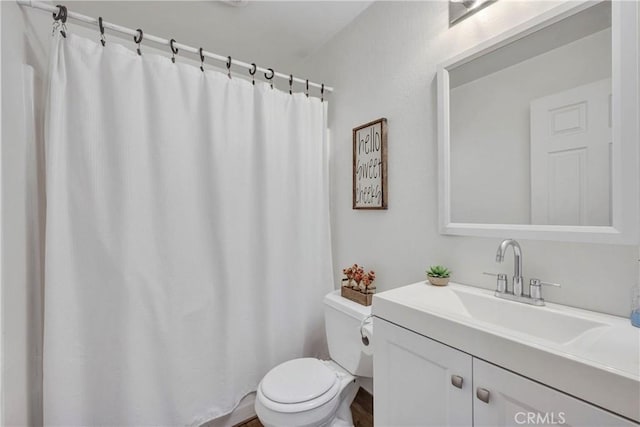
pixel 298 385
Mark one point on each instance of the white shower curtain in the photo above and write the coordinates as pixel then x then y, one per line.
pixel 187 237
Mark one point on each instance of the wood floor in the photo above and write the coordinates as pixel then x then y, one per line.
pixel 361 409
pixel 253 422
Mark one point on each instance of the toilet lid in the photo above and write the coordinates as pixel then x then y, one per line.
pixel 298 380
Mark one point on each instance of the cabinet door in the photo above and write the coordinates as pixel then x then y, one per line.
pixel 515 401
pixel 412 380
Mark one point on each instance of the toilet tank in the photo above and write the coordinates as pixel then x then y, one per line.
pixel 342 319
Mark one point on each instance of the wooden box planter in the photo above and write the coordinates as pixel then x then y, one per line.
pixel 356 295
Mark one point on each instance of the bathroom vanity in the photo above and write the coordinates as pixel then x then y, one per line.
pixel 460 356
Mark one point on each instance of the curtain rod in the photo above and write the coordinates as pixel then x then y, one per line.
pixel 160 40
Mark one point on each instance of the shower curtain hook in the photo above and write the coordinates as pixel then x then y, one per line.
pixel 270 78
pixel 138 39
pixel 229 66
pixel 290 84
pixel 252 71
pixel 322 93
pixel 174 50
pixel 307 88
pixel 60 20
pixel 201 60
pixel 60 14
pixel 103 40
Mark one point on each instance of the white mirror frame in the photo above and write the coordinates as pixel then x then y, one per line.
pixel 626 133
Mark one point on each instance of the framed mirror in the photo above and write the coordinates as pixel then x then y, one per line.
pixel 538 129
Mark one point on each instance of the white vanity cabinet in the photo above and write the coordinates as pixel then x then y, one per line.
pixel 416 383
pixel 414 380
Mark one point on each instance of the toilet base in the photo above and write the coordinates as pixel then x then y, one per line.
pixel 343 414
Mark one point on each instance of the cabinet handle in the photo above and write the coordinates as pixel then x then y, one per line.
pixel 457 381
pixel 483 394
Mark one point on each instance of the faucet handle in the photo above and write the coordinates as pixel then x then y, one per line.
pixel 535 288
pixel 501 281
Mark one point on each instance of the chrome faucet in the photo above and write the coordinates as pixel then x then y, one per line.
pixel 502 287
pixel 517 263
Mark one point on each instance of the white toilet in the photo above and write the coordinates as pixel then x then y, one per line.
pixel 310 392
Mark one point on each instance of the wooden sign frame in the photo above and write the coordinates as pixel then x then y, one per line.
pixel 370 165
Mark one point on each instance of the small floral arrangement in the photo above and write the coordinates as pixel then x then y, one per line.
pixel 356 278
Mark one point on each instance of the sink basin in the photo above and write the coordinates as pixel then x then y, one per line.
pixel 542 322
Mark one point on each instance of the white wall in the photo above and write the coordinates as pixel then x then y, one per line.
pixel 490 141
pixel 1 311
pixel 384 65
pixel 24 64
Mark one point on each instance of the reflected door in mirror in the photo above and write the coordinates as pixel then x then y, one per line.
pixel 571 156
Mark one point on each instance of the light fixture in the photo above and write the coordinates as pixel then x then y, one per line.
pixel 461 9
pixel 235 3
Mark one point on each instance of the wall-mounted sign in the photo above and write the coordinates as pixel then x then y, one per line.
pixel 370 165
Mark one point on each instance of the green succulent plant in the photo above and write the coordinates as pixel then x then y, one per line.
pixel 438 271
